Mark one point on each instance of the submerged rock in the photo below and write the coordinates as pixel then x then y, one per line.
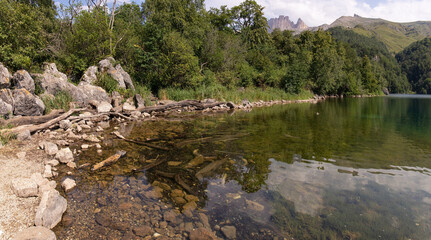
pixel 229 232
pixel 202 234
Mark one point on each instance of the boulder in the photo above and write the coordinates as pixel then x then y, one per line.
pixel 104 107
pixel 68 184
pixel 5 109
pixel 4 77
pixel 35 233
pixel 51 209
pixel 139 101
pixel 93 92
pixel 52 81
pixel 24 187
pixel 65 124
pixel 128 107
pixel 90 75
pixel 26 104
pixel 106 64
pixel 126 77
pixel 6 96
pixel 22 79
pixel 64 155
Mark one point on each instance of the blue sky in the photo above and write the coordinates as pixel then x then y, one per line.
pixel 318 12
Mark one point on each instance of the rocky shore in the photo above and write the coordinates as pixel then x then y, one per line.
pixel 39 167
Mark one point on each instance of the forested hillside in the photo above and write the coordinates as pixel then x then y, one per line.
pixel 415 61
pixel 178 44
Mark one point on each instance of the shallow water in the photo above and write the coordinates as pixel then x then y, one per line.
pixel 339 169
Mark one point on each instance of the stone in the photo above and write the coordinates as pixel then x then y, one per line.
pixel 64 155
pixel 22 79
pixel 106 64
pixel 126 77
pixel 49 147
pixel 52 162
pixel 116 98
pixel 174 163
pixel 191 198
pixel 21 155
pixel 92 138
pixel 103 219
pixel 24 187
pixel 4 77
pixel 51 209
pixel 142 231
pixel 202 234
pixel 229 232
pixel 68 184
pixel 35 233
pixel 24 135
pixel 254 206
pixel 204 220
pixel 103 124
pixel 26 104
pixel 139 101
pixel 179 200
pixel 170 216
pixel 65 124
pixel 6 96
pixel 104 107
pixel 128 107
pixel 177 193
pixel 5 108
pixel 47 173
pixel 90 75
pixel 190 206
pixel 71 165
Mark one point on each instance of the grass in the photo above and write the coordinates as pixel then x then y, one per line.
pixel 5 138
pixel 221 93
pixel 60 101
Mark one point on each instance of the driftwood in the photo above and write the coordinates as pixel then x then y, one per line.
pixel 165 174
pixel 140 143
pixel 181 104
pixel 210 167
pixel 154 164
pixel 27 120
pixel 34 128
pixel 180 181
pixel 109 160
pixel 211 139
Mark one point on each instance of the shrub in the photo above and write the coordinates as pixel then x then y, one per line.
pixel 60 101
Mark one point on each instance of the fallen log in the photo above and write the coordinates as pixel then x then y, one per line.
pixel 34 128
pixel 140 143
pixel 154 164
pixel 110 160
pixel 180 182
pixel 26 120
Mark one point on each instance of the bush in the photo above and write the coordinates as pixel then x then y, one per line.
pixel 60 101
pixel 107 82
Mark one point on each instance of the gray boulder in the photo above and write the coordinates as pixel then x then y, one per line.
pixel 24 135
pixel 4 77
pixel 104 107
pixel 90 75
pixel 22 79
pixel 26 104
pixel 6 96
pixel 117 76
pixel 126 77
pixel 51 209
pixel 106 64
pixel 93 92
pixel 35 233
pixel 53 81
pixel 5 109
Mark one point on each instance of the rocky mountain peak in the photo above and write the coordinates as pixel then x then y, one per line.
pixel 284 23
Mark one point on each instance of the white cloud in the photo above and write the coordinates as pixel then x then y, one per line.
pixel 317 12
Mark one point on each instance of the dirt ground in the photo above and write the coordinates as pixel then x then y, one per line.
pixel 17 213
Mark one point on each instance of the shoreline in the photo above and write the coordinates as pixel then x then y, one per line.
pixel 65 137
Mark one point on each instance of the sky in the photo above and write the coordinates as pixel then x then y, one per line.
pixel 318 12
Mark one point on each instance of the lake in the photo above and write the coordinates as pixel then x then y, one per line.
pixel 351 168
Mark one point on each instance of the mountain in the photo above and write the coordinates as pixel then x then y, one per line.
pixel 396 36
pixel 284 23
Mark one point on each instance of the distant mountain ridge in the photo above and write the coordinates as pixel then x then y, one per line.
pixel 396 36
pixel 284 23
